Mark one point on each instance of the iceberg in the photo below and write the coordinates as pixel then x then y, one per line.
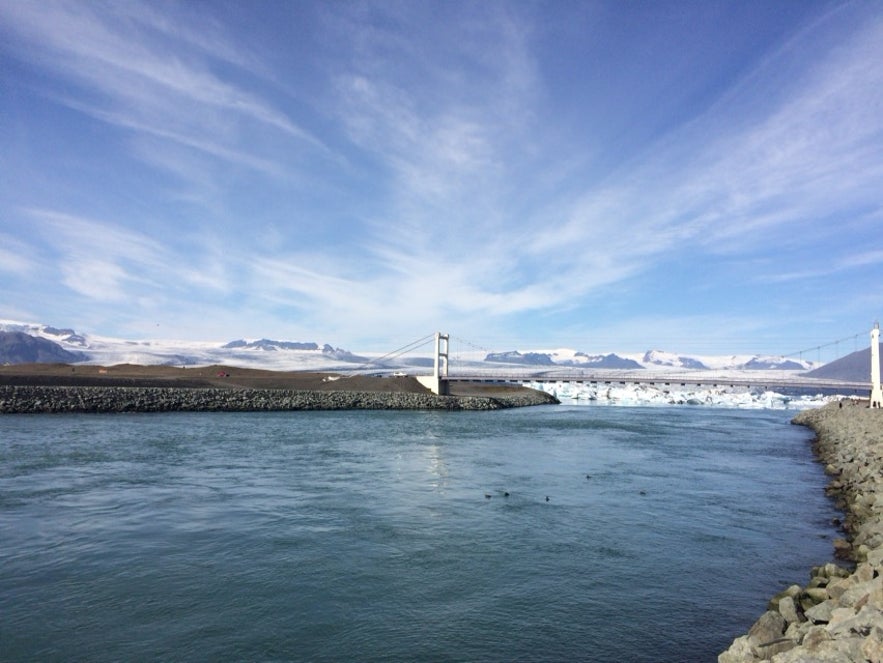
pixel 645 395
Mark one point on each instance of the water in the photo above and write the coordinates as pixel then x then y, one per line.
pixel 367 536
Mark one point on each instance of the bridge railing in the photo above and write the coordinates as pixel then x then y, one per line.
pixel 661 379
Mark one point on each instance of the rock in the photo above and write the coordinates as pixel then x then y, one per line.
pixel 814 637
pixel 812 596
pixel 838 587
pixel 821 613
pixel 872 647
pixel 827 652
pixel 739 652
pixel 765 630
pixel 770 649
pixel 866 621
pixel 33 399
pixel 788 609
pixel 842 549
pixel 860 594
pixel 793 591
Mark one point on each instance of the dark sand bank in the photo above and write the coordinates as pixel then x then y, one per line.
pixel 32 388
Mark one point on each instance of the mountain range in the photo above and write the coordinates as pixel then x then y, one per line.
pixel 22 342
pixel 854 366
pixel 652 359
pixel 20 348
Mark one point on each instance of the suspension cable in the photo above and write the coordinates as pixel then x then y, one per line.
pixel 818 348
pixel 395 353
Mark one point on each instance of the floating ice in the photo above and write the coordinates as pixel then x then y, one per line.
pixel 643 394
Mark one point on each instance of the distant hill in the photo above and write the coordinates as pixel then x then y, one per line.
pixel 772 363
pixel 610 360
pixel 516 357
pixel 559 358
pixel 855 367
pixel 660 358
pixel 270 345
pixel 19 348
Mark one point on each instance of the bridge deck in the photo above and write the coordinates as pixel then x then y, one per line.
pixel 763 382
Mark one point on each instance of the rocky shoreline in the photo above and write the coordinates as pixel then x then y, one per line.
pixel 35 399
pixel 838 616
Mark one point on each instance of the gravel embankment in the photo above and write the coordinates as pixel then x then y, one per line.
pixel 56 399
pixel 838 616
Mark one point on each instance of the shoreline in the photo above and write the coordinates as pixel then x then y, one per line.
pixel 57 388
pixel 838 615
pixel 42 399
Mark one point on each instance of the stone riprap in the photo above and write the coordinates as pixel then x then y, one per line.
pixel 50 399
pixel 838 616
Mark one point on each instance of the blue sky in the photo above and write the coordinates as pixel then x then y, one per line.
pixel 609 176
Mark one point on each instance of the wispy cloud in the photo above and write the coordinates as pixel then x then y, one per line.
pixel 711 186
pixel 812 152
pixel 104 261
pixel 15 257
pixel 141 71
pixel 99 260
pixel 414 170
pixel 826 268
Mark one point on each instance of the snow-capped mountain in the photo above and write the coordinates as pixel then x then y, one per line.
pixel 660 358
pixel 17 347
pixel 516 357
pixel 300 355
pixel 71 347
pixel 563 357
pixel 655 360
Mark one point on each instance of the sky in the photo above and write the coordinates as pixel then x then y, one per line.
pixel 700 177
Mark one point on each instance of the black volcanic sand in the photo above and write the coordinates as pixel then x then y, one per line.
pixel 132 375
pixel 28 379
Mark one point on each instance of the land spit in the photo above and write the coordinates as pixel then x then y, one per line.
pixel 838 616
pixel 62 388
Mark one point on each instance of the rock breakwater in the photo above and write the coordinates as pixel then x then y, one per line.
pixel 838 616
pixel 54 399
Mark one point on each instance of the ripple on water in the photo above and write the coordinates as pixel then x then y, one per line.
pixel 335 536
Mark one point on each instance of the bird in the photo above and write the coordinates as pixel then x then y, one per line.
pixel 506 494
pixel 547 498
pixel 487 495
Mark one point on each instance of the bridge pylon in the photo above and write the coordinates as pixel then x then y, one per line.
pixel 437 383
pixel 876 399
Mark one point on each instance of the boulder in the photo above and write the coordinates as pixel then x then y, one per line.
pixel 788 610
pixel 868 620
pixel 739 652
pixel 821 613
pixel 862 593
pixel 765 630
pixel 872 647
pixel 814 637
pixel 793 591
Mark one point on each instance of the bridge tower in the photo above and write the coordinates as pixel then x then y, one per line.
pixel 437 383
pixel 876 399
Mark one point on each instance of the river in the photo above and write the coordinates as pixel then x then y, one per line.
pixel 554 533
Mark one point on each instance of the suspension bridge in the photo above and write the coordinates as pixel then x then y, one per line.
pixel 473 366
